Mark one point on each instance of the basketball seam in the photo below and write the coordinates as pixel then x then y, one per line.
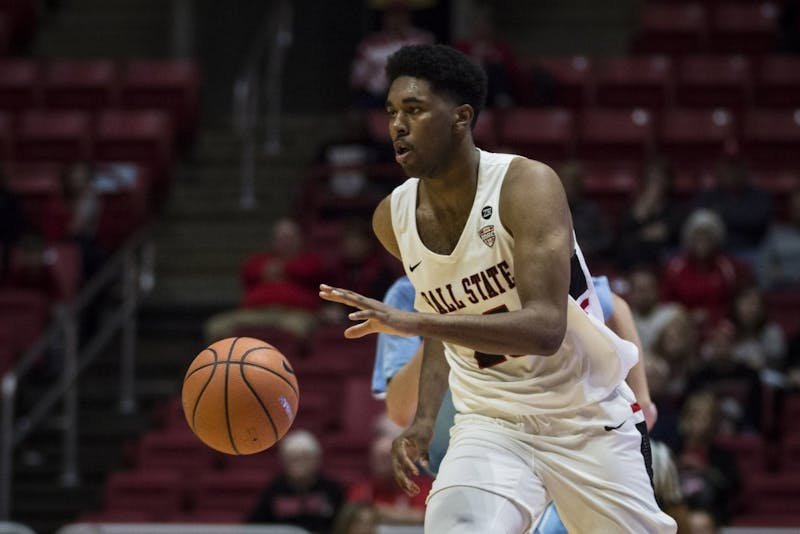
pixel 227 379
pixel 258 398
pixel 249 364
pixel 203 390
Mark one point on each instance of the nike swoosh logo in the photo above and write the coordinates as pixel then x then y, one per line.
pixel 610 428
pixel 412 267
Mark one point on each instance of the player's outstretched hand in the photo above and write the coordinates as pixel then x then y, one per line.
pixel 375 316
pixel 410 447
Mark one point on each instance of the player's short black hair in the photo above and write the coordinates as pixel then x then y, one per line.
pixel 446 69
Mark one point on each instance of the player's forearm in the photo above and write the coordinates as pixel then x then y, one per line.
pixel 525 331
pixel 402 391
pixel 433 383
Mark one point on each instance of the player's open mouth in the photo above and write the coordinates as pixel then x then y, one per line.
pixel 400 152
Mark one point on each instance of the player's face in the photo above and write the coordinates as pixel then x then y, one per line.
pixel 421 126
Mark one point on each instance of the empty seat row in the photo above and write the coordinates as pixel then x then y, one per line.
pixel 692 27
pixel 143 137
pixel 689 136
pixel 173 87
pixel 659 81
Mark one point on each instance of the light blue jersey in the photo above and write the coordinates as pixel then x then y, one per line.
pixel 394 352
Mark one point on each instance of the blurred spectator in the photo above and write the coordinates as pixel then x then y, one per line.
pixel 362 265
pixel 280 287
pixel 77 221
pixel 367 77
pixel 745 209
pixel 702 521
pixel 380 489
pixel 300 495
pixel 587 219
pixel 649 228
pixel 702 278
pixel 737 387
pixel 759 342
pixel 11 223
pixel 356 518
pixel 33 267
pixel 667 485
pixel 709 474
pixel 789 27
pixel 677 345
pixel 778 262
pixel 650 315
pixel 496 56
pixel 665 429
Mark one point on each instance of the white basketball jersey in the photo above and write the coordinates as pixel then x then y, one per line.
pixel 478 277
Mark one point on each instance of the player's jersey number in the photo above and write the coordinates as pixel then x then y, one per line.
pixel 490 360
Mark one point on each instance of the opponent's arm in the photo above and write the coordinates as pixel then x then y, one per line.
pixel 403 389
pixel 621 322
pixel 534 210
pixel 412 445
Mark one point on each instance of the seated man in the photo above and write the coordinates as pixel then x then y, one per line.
pixel 279 288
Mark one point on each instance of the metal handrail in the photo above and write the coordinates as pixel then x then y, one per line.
pixel 130 262
pixel 271 42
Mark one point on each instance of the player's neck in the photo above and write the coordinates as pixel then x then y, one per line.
pixel 458 179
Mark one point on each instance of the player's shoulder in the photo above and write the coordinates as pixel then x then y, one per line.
pixel 526 177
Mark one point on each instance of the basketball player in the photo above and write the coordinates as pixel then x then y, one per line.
pixel 397 362
pixel 486 239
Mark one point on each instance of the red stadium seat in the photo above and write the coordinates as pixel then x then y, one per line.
pixel 331 352
pixel 156 491
pixel 671 29
pixel 267 463
pixel 773 493
pixel 714 81
pixel 39 188
pixel 772 137
pixel 283 340
pixel 229 491
pixel 88 85
pixel 65 265
pixel 696 137
pixel 633 81
pixel 767 521
pixel 571 75
pixel 20 81
pixel 546 134
pixel 176 450
pixel 117 516
pixel 749 451
pixel 143 137
pixel 172 86
pixel 743 28
pixel 778 83
pixel 6 136
pixel 611 184
pixel 615 134
pixel 64 136
pixel 213 517
pixel 378 125
pixel 358 412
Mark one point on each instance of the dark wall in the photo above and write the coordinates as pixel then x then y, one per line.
pixel 326 34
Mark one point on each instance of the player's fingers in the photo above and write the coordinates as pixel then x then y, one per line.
pixel 359 330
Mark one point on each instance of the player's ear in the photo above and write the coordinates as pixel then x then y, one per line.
pixel 463 117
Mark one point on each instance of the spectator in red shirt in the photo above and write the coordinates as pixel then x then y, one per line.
pixel 702 278
pixel 280 287
pixel 380 489
pixel 367 76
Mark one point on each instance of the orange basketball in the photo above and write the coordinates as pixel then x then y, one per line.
pixel 240 395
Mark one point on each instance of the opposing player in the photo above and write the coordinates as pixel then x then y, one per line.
pixel 486 239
